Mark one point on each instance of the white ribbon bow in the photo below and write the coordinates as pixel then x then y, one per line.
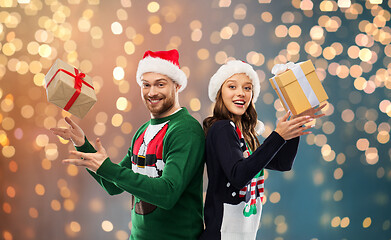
pixel 280 68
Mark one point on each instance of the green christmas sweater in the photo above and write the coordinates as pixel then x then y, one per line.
pixel 163 171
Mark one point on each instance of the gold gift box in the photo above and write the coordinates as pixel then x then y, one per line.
pixel 299 88
pixel 61 89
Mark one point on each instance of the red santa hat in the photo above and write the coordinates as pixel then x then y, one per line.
pixel 226 71
pixel 163 62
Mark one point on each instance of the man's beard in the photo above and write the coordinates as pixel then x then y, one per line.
pixel 167 102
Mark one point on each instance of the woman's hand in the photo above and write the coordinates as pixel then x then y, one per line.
pixel 312 112
pixel 75 134
pixel 91 161
pixel 292 128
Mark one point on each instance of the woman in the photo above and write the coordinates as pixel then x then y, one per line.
pixel 235 159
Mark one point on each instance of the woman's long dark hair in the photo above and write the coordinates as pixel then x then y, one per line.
pixel 248 120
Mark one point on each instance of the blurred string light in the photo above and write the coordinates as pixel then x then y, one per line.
pixel 83 34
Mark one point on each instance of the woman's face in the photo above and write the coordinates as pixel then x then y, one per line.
pixel 237 92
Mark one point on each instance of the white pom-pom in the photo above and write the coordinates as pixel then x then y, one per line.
pixel 260 127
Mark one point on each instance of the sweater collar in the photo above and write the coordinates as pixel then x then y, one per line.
pixel 177 114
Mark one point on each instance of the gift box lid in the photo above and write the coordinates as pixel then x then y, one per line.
pixel 288 77
pixel 59 64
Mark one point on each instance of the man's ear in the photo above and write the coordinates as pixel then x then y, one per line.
pixel 177 86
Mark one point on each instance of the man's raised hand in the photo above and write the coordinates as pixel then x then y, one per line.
pixel 74 133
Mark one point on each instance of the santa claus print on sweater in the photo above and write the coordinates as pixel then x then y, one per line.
pixel 147 159
pixel 148 151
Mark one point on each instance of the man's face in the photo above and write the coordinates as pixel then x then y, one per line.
pixel 159 93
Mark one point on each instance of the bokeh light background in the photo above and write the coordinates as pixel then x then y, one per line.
pixel 339 187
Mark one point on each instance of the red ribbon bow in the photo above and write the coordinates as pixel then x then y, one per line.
pixel 78 84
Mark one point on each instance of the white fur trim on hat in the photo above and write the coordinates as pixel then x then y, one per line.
pixel 226 71
pixel 158 65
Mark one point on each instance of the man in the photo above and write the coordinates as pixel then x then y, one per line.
pixel 164 164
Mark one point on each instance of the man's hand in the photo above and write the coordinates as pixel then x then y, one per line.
pixel 91 161
pixel 75 134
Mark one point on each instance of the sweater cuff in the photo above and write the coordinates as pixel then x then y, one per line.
pixel 108 170
pixel 278 138
pixel 86 147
